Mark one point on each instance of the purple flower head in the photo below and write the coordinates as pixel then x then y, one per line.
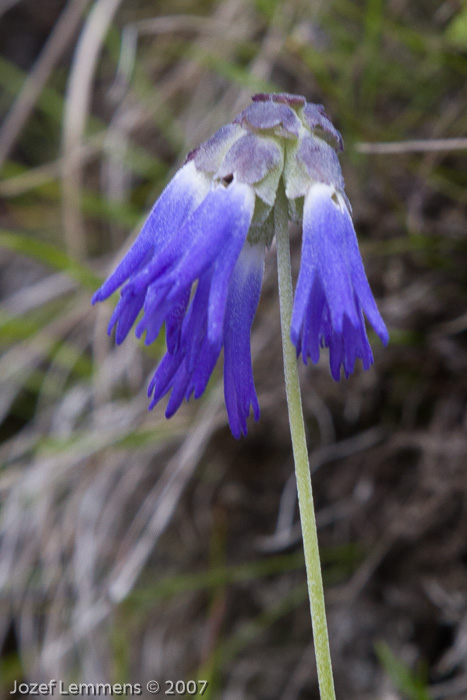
pixel 197 264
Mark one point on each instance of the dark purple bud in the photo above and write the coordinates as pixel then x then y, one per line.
pixel 250 159
pixel 321 162
pixel 208 155
pixel 284 97
pixel 316 118
pixel 271 115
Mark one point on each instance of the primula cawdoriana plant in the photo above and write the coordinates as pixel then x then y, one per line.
pixel 211 227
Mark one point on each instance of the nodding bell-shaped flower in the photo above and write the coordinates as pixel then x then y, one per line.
pixel 197 265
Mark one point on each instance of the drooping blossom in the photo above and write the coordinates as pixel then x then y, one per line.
pixel 197 264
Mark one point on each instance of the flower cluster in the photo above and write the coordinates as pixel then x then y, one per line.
pixel 197 265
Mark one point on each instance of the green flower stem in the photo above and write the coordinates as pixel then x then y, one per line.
pixel 300 453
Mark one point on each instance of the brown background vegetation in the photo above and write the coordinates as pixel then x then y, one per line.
pixel 133 548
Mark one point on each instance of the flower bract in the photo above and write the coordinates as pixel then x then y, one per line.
pixel 197 265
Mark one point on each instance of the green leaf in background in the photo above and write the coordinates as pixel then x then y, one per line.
pixel 49 255
pixel 412 684
pixel 456 31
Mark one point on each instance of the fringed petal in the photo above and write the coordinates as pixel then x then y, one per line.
pixel 180 198
pixel 244 293
pixel 332 293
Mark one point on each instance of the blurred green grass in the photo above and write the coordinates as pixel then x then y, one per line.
pixel 385 72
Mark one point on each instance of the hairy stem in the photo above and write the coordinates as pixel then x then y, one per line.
pixel 300 453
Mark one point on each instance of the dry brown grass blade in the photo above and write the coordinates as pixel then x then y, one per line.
pixel 77 106
pixel 6 5
pixel 58 42
pixel 413 146
pixel 48 172
pixel 158 508
pixel 101 498
pixel 23 358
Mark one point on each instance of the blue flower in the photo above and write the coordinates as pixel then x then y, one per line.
pixel 197 265
pixel 332 290
pixel 195 235
pixel 180 199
